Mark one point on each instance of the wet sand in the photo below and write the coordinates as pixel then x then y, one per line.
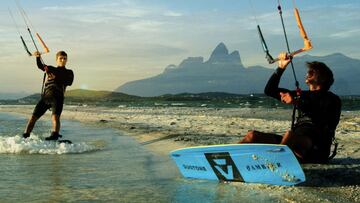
pixel 163 129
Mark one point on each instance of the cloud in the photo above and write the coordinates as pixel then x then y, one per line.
pixel 346 34
pixel 172 14
pixel 145 26
pixel 113 9
pixel 63 8
pixel 346 6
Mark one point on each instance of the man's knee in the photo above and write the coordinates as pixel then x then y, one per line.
pixel 300 144
pixel 288 138
pixel 251 135
pixel 55 117
pixel 288 134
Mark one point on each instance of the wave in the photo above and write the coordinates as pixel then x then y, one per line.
pixel 36 145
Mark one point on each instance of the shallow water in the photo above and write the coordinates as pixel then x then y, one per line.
pixel 100 165
pixel 103 166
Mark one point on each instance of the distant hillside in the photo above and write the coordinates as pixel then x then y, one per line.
pixel 208 99
pixel 11 96
pixel 224 72
pixel 80 96
pixel 91 95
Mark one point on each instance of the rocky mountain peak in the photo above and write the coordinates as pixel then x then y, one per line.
pixel 221 55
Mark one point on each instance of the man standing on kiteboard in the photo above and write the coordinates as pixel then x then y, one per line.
pixel 318 113
pixel 52 96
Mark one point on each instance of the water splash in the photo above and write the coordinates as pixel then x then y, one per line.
pixel 36 145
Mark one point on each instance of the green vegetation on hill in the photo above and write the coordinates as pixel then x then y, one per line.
pixel 211 99
pixel 91 96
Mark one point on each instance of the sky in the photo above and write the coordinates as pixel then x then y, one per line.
pixel 111 42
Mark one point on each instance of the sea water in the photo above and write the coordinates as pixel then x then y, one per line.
pixel 102 165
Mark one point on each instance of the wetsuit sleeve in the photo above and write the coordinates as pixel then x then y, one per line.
pixel 272 87
pixel 39 64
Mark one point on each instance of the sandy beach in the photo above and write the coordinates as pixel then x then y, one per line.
pixel 163 129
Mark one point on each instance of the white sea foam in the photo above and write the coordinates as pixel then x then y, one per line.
pixel 36 145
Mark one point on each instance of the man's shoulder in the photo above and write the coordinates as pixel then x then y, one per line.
pixel 333 95
pixel 334 98
pixel 51 68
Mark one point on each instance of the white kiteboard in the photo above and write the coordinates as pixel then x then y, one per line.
pixel 252 163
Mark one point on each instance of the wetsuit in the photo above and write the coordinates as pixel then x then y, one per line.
pixel 318 115
pixel 54 89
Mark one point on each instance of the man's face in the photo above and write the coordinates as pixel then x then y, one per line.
pixel 61 61
pixel 311 77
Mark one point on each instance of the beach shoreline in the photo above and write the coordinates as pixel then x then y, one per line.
pixel 170 127
pixel 189 126
pixel 163 129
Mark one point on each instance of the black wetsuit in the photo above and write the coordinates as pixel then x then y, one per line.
pixel 54 89
pixel 318 116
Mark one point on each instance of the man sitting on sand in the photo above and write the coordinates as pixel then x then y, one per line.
pixel 318 113
pixel 53 94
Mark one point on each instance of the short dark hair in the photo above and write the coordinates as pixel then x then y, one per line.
pixel 61 53
pixel 325 75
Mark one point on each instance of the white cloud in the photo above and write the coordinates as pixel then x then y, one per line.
pixel 145 26
pixel 64 8
pixel 131 12
pixel 346 34
pixel 114 9
pixel 172 14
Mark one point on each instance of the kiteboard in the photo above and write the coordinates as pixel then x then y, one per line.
pixel 60 141
pixel 64 141
pixel 251 163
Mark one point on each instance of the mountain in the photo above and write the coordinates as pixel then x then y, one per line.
pixel 221 55
pixel 80 96
pixel 224 72
pixel 92 95
pixel 12 95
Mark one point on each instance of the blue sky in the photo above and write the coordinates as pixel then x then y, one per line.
pixel 113 42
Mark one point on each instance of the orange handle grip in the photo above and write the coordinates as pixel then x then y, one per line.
pixel 46 49
pixel 299 23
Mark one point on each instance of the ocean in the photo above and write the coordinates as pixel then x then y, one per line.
pixel 102 165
